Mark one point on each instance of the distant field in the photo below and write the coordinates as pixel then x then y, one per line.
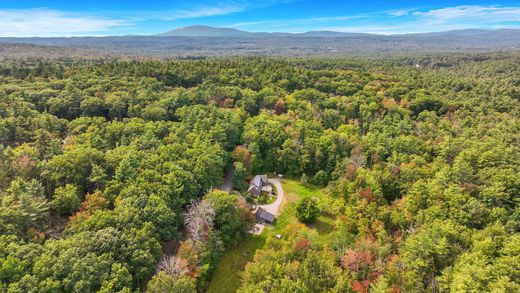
pixel 229 273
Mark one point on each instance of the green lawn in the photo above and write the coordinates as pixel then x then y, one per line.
pixel 230 270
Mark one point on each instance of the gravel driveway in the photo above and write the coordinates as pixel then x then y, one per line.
pixel 273 207
pixel 228 180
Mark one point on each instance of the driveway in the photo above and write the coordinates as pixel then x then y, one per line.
pixel 273 207
pixel 228 180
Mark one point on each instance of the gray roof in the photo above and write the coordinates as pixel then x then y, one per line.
pixel 264 215
pixel 254 190
pixel 259 180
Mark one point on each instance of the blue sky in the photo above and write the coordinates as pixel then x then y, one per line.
pixel 95 17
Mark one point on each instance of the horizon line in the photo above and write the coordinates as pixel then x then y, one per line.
pixel 161 34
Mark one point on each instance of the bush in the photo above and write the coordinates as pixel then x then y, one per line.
pixel 321 178
pixel 307 209
pixel 66 200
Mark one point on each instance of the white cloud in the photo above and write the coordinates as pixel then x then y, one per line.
pixel 197 12
pixel 467 16
pixel 206 11
pixel 435 20
pixel 225 7
pixel 398 13
pixel 291 22
pixel 45 23
pixel 472 12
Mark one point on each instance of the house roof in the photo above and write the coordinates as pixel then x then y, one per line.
pixel 265 215
pixel 259 180
pixel 267 188
pixel 254 189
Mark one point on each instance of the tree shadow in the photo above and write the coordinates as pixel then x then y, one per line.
pixel 322 227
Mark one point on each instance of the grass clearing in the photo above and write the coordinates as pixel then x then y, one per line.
pixel 230 271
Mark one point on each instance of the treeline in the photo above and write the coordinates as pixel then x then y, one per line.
pixel 102 161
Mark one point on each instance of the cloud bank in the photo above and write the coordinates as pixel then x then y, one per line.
pixel 45 23
pixel 400 21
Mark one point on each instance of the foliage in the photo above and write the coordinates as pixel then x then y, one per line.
pixel 239 176
pixel 66 200
pixel 307 209
pixel 164 283
pixel 421 165
pixel 320 178
pixel 230 218
pixel 23 206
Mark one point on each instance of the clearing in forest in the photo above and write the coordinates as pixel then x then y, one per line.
pixel 229 273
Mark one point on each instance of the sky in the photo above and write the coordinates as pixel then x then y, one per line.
pixel 27 18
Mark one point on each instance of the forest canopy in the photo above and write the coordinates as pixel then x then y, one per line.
pixel 105 163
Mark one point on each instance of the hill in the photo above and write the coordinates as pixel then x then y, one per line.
pixel 204 31
pixel 210 41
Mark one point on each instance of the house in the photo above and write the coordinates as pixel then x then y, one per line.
pixel 258 184
pixel 264 216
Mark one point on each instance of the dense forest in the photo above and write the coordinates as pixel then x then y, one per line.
pixel 109 169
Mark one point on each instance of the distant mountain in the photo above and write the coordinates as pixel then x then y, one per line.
pixel 196 31
pixel 205 31
pixel 202 41
pixel 486 38
pixel 329 34
pixel 465 32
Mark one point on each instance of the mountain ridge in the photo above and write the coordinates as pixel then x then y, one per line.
pixel 203 31
pixel 211 41
pixel 211 31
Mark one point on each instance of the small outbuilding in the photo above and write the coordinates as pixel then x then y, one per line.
pixel 264 216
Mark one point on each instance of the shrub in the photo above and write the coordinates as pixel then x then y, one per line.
pixel 307 209
pixel 320 178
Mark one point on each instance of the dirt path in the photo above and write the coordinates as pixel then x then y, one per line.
pixel 227 186
pixel 273 207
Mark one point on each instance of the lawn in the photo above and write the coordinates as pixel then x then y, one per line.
pixel 230 270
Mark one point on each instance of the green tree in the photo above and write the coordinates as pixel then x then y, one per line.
pixel 23 206
pixel 307 209
pixel 66 200
pixel 74 166
pixel 239 176
pixel 164 283
pixel 229 219
pixel 320 178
